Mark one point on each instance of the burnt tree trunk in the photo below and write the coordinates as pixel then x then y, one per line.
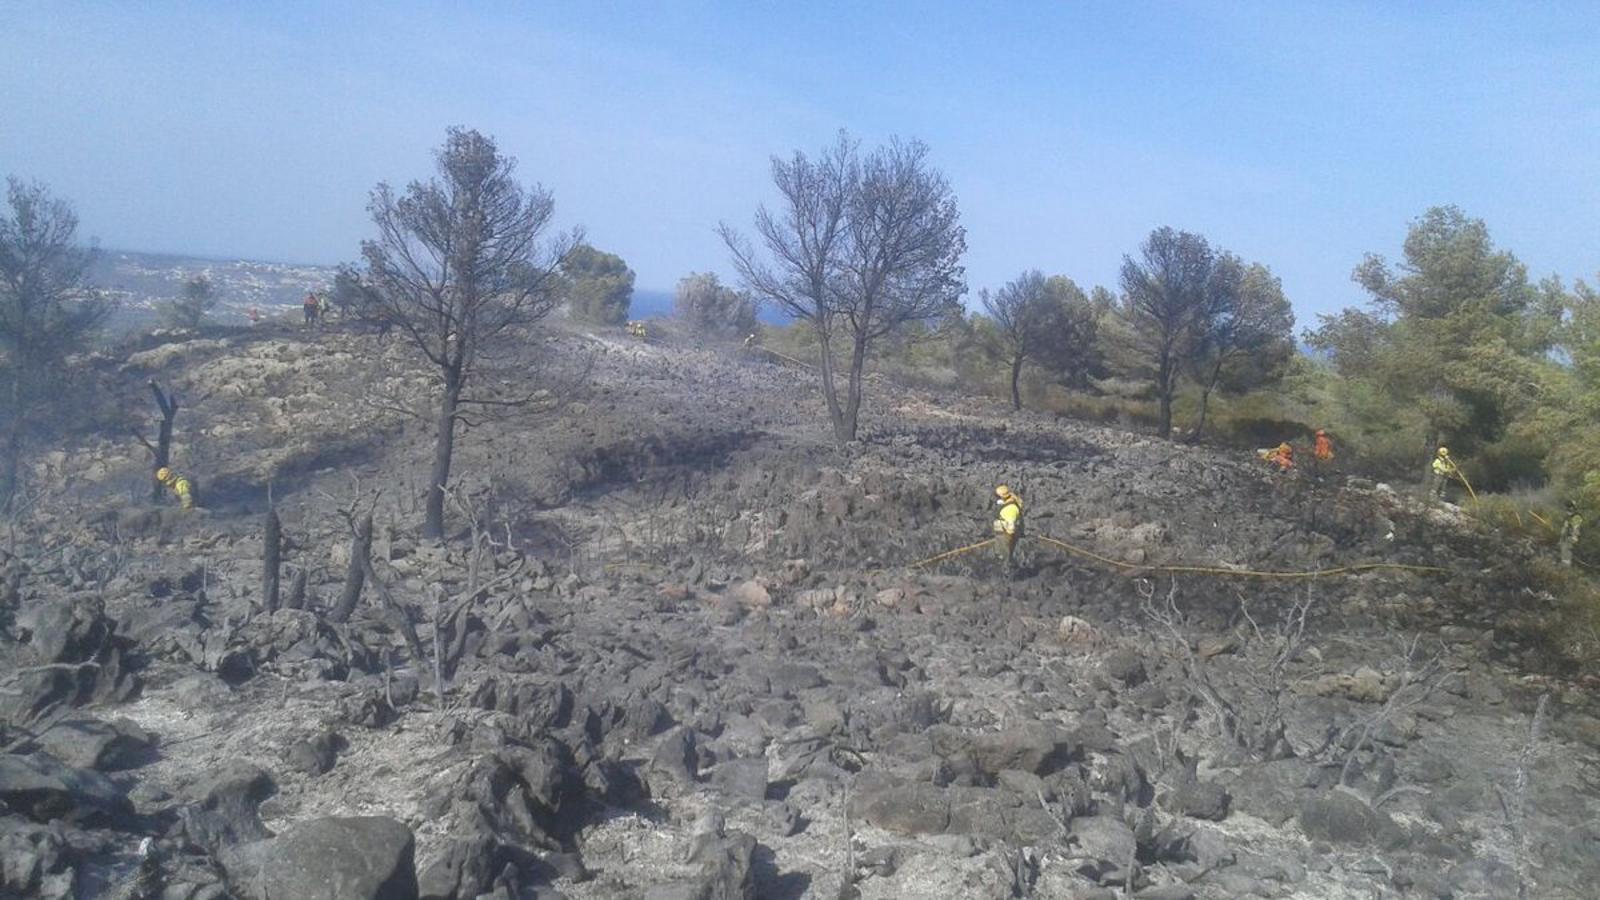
pixel 1205 401
pixel 11 466
pixel 852 410
pixel 11 477
pixel 830 392
pixel 1016 376
pixel 272 560
pixel 443 448
pixel 167 402
pixel 1200 421
pixel 355 578
pixel 1165 385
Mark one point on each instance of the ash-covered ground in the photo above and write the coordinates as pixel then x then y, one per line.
pixel 674 648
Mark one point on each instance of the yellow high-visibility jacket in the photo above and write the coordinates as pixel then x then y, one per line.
pixel 1444 465
pixel 1010 514
pixel 183 489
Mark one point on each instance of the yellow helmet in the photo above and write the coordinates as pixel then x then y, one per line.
pixel 1002 492
pixel 163 473
pixel 1444 451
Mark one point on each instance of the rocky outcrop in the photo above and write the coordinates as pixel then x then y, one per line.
pixel 44 789
pixel 361 858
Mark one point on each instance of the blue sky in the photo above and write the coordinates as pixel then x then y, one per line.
pixel 1298 135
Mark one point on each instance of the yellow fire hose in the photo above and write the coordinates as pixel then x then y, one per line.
pixel 948 554
pixel 1190 570
pixel 1238 573
pixel 801 363
pixel 1462 477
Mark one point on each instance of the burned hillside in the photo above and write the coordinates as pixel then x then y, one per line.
pixel 676 643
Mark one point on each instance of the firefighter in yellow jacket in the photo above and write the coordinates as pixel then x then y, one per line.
pixel 1444 469
pixel 180 485
pixel 1007 522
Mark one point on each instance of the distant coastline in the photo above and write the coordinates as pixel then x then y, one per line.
pixel 140 280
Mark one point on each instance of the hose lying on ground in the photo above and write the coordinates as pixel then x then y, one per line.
pixel 949 553
pixel 1189 569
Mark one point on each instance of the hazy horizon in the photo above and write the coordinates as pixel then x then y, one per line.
pixel 1297 135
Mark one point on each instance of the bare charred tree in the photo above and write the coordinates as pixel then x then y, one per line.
pixel 161 450
pixel 47 311
pixel 712 307
pixel 805 239
pixel 356 577
pixel 1014 308
pixel 902 259
pixel 272 560
pixel 1249 708
pixel 458 264
pixel 1163 306
pixel 859 247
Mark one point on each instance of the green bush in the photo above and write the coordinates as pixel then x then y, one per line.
pixel 1512 463
pixel 598 286
pixel 1570 628
pixel 1137 415
pixel 1514 517
pixel 1258 431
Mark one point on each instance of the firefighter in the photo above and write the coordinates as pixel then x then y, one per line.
pixel 1443 470
pixel 1007 522
pixel 1282 456
pixel 181 486
pixel 1323 449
